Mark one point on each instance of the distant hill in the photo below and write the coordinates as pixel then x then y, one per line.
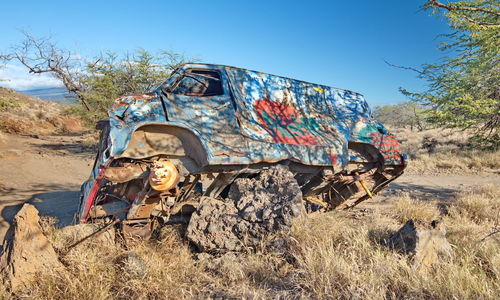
pixel 58 95
pixel 23 114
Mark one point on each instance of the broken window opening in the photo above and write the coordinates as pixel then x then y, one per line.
pixel 201 83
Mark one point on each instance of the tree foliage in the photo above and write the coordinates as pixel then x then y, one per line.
pixel 406 114
pixel 113 75
pixel 464 90
pixel 98 81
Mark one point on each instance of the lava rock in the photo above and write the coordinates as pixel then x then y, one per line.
pixel 256 208
pixel 425 242
pixel 132 264
pixel 27 251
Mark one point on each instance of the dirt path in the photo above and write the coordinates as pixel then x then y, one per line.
pixel 48 172
pixel 440 187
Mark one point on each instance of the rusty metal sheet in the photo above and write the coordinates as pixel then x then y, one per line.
pixel 307 122
pixel 129 113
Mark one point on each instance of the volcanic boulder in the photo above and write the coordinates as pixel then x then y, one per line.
pixel 27 251
pixel 256 208
pixel 425 242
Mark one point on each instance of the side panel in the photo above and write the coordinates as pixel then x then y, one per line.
pixel 165 139
pixel 129 113
pixel 285 117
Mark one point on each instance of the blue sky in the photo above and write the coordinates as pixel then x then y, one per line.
pixel 338 43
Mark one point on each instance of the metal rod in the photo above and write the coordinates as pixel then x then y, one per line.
pixel 97 233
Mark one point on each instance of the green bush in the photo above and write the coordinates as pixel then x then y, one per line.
pixel 6 103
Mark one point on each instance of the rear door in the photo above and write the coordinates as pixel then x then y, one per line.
pixel 201 100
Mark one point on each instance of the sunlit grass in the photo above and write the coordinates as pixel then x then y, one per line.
pixel 330 256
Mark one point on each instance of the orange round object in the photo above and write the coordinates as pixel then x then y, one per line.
pixel 163 175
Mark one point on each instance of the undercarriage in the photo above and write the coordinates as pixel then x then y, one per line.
pixel 160 190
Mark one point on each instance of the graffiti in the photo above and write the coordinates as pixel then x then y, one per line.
pixel 375 133
pixel 285 125
pixel 388 146
pixel 273 118
pixel 334 158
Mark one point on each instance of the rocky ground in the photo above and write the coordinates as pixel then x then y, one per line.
pixel 44 170
pixel 47 171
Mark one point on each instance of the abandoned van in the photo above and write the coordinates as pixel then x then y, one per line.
pixel 209 125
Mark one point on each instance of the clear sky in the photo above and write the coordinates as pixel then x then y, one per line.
pixel 337 43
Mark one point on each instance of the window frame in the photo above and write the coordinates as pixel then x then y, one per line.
pixel 189 72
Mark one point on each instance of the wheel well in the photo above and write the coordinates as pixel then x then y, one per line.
pixel 365 151
pixel 168 140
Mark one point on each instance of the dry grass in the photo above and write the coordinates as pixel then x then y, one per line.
pixel 8 103
pixel 471 161
pixel 445 151
pixel 330 256
pixel 406 208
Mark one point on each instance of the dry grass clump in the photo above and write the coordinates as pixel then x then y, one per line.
pixel 473 226
pixel 329 256
pixel 481 205
pixel 406 208
pixel 7 102
pixel 465 161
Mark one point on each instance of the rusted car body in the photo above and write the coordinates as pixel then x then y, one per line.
pixel 216 123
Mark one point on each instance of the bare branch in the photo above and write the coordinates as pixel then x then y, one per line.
pixel 458 8
pixel 423 74
pixel 41 55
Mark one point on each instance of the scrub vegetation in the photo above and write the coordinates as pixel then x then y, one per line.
pixel 95 81
pixel 329 256
pixel 463 89
pixel 445 151
pixel 22 114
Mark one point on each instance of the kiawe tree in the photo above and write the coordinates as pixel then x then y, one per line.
pixel 115 75
pixel 464 90
pixel 405 114
pixel 95 82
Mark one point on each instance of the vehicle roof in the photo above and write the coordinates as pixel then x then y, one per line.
pixel 227 66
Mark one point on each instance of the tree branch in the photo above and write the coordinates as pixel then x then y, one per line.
pixel 455 8
pixel 42 56
pixel 422 73
pixel 458 8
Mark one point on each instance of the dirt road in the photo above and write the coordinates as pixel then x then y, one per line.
pixel 48 171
